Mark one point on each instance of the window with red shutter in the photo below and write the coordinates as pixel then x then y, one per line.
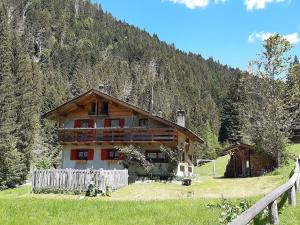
pixel 73 154
pixel 107 123
pixel 90 154
pixel 91 123
pixel 122 123
pixel 77 124
pixel 103 154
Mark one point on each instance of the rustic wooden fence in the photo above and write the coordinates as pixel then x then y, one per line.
pixel 79 180
pixel 270 201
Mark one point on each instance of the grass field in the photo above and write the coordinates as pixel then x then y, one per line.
pixel 19 207
pixel 146 203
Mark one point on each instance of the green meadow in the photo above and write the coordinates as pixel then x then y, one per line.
pixel 151 203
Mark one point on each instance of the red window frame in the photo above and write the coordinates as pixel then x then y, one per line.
pixel 106 154
pixel 90 122
pixel 74 154
pixel 107 122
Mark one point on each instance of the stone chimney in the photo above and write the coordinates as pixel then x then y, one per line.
pixel 160 114
pixel 181 118
pixel 102 88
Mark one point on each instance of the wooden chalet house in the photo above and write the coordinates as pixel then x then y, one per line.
pixel 92 124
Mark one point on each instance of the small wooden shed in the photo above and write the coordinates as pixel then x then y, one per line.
pixel 245 162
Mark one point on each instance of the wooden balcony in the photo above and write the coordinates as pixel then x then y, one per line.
pixel 117 135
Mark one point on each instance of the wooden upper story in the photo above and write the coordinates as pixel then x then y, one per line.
pixel 95 117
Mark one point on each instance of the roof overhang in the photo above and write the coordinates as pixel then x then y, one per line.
pixel 75 102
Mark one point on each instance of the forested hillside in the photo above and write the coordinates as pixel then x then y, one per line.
pixel 53 50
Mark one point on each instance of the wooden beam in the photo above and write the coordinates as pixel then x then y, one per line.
pixel 79 105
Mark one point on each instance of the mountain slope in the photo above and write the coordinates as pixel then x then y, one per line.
pixel 75 46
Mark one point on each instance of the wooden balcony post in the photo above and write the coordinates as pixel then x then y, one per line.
pixel 273 213
pixel 292 196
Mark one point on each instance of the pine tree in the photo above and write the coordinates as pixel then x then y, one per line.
pixel 11 165
pixel 26 93
pixel 232 123
pixel 292 101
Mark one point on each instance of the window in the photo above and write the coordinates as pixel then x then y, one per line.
pixel 84 124
pixel 82 154
pixel 181 168
pixel 93 109
pixel 115 123
pixel 105 108
pixel 156 157
pixel 112 154
pixel 143 123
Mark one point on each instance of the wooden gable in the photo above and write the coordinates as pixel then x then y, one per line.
pixel 81 106
pixel 95 105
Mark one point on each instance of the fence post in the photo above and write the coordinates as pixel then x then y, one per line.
pixel 297 184
pixel 297 170
pixel 33 181
pixel 292 196
pixel 273 213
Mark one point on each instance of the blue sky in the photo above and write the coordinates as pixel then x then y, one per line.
pixel 230 31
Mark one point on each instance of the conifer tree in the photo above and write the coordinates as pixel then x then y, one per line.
pixel 11 164
pixel 292 101
pixel 26 93
pixel 232 122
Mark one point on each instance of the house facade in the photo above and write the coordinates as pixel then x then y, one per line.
pixel 93 124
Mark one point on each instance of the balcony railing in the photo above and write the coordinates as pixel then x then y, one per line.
pixel 118 135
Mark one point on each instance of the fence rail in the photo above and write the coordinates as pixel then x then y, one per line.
pixel 79 180
pixel 270 201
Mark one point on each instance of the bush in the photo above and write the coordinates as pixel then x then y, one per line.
pixel 231 210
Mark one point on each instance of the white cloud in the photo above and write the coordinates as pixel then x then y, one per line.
pixel 192 4
pixel 292 38
pixel 261 36
pixel 259 4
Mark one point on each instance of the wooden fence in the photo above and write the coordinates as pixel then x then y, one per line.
pixel 79 180
pixel 270 201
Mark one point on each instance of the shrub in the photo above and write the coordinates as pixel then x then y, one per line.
pixel 134 157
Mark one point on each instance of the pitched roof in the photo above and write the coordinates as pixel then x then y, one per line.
pixel 236 147
pixel 184 130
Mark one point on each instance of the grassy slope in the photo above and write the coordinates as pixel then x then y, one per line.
pixel 207 169
pixel 189 204
pixel 206 186
pixel 289 215
pixel 20 207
